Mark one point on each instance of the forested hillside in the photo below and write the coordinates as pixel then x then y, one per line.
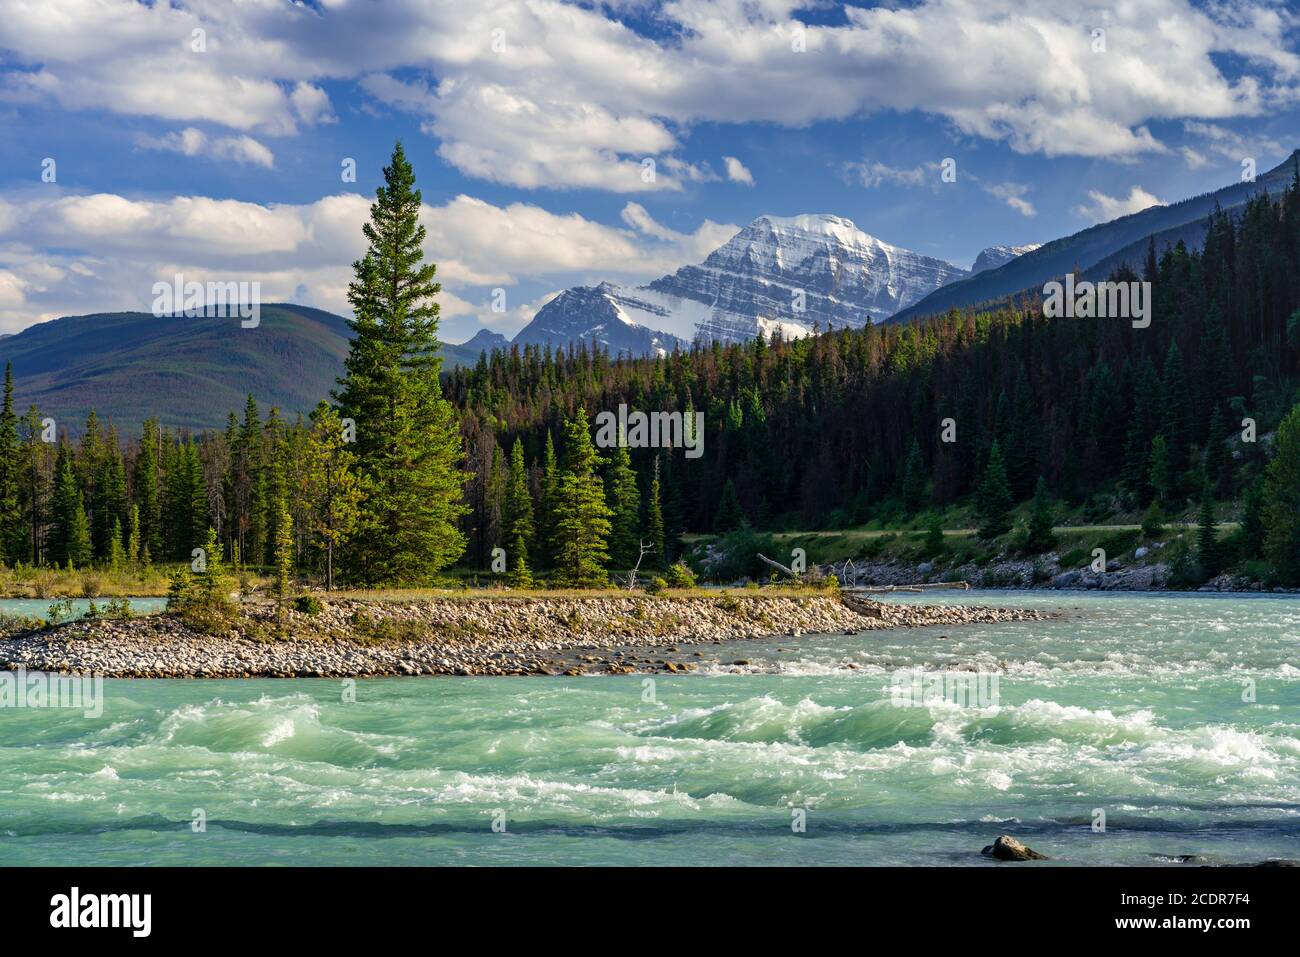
pixel 840 428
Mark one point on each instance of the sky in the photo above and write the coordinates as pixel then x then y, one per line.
pixel 559 143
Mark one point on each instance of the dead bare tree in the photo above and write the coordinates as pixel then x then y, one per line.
pixel 631 575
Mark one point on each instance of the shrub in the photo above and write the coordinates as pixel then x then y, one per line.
pixel 679 576
pixel 119 608
pixel 308 605
pixel 60 611
pixel 1075 557
pixel 656 585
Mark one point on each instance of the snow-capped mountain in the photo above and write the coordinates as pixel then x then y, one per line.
pixel 789 273
pixel 608 315
pixel 996 256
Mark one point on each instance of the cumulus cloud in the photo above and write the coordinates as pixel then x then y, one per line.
pixel 111 249
pixel 1105 208
pixel 736 171
pixel 194 142
pixel 1013 195
pixel 535 93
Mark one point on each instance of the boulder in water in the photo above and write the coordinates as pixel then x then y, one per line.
pixel 1007 848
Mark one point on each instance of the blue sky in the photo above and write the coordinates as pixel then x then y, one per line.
pixel 528 123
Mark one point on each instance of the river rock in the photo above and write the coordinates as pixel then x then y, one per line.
pixel 1007 848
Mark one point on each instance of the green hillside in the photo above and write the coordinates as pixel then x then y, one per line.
pixel 187 372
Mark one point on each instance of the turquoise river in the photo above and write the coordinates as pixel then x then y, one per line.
pixel 1177 717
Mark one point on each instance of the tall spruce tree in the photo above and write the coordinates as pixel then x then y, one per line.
pixel 993 500
pixel 625 505
pixel 1282 502
pixel 409 446
pixel 11 463
pixel 656 526
pixel 518 517
pixel 581 516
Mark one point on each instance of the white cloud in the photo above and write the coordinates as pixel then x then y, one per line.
pixel 1232 145
pixel 875 173
pixel 113 248
pixel 1013 195
pixel 1105 208
pixel 570 96
pixel 736 171
pixel 194 142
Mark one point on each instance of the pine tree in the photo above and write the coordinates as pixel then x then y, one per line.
pixel 116 553
pixel 993 499
pixel 546 503
pixel 79 552
pixel 730 516
pixel 1251 533
pixel 146 490
pixel 655 526
pixel 64 509
pixel 1040 537
pixel 934 540
pixel 625 507
pixel 332 489
pixel 519 575
pixel 283 550
pixel 912 486
pixel 408 437
pixel 518 517
pixel 1209 550
pixel 581 516
pixel 1282 502
pixel 1159 473
pixel 11 516
pixel 133 553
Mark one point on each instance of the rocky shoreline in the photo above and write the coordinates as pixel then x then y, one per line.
pixel 1044 574
pixel 473 635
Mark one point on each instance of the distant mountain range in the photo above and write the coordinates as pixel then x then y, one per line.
pixel 786 273
pixel 1099 249
pixel 188 372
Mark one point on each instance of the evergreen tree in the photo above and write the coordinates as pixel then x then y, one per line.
pixel 519 575
pixel 993 499
pixel 1159 473
pixel 730 516
pixel 912 486
pixel 332 490
pixel 146 489
pixel 518 517
pixel 1040 536
pixel 133 537
pixel 546 503
pixel 116 553
pixel 655 526
pixel 934 541
pixel 11 517
pixel 66 512
pixel 408 437
pixel 1282 502
pixel 625 507
pixel 1251 533
pixel 1209 551
pixel 581 516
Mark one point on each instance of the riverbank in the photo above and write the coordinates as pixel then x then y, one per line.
pixel 1043 573
pixel 467 635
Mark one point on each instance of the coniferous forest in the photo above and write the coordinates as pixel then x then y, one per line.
pixel 407 473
